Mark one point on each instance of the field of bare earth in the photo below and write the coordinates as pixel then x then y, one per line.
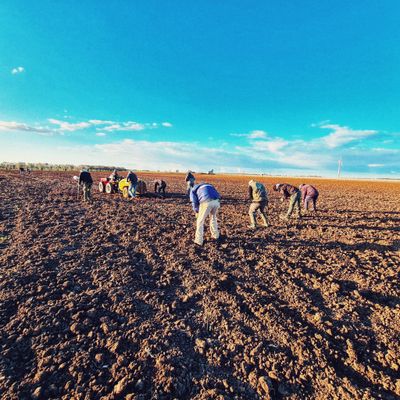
pixel 111 300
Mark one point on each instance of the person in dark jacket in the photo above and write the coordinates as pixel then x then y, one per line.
pixel 114 177
pixel 309 194
pixel 293 194
pixel 160 186
pixel 259 201
pixel 132 179
pixel 190 179
pixel 86 181
pixel 205 201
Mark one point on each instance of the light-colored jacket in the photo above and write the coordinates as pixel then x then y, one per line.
pixel 257 192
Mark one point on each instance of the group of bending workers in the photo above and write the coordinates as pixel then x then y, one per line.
pixel 205 199
pixel 206 202
pixel 133 180
pixel 86 182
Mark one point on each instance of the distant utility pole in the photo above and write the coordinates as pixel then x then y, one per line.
pixel 339 170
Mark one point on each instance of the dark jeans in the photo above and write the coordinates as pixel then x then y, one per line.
pixel 160 190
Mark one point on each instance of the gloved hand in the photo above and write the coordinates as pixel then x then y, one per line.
pixel 197 215
pixel 281 199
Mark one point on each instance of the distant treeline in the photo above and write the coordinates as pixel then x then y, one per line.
pixel 55 167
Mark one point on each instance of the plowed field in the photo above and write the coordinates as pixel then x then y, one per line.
pixel 111 300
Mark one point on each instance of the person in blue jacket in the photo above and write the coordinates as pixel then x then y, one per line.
pixel 205 201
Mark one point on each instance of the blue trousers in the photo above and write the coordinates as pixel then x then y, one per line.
pixel 132 189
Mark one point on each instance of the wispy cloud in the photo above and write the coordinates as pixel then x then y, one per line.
pixel 164 154
pixel 22 127
pixel 273 146
pixel 259 152
pixel 342 135
pixel 100 122
pixel 17 70
pixel 256 134
pixel 61 126
pixel 125 126
pixel 383 150
pixel 166 124
pixel 67 126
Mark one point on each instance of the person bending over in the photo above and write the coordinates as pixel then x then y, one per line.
pixel 259 201
pixel 309 194
pixel 206 202
pixel 293 194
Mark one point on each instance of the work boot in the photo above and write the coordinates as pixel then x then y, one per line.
pixel 220 239
pixel 198 248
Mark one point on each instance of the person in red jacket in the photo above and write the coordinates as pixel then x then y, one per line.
pixel 309 194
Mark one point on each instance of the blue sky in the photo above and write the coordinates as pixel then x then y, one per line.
pixel 258 86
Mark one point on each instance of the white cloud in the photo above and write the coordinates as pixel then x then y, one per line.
pixel 319 124
pixel 282 153
pixel 342 135
pixel 67 126
pixel 383 150
pixel 64 126
pixel 260 153
pixel 167 124
pixel 22 127
pixel 125 126
pixel 100 122
pixel 17 70
pixel 163 154
pixel 273 146
pixel 256 134
pixel 304 160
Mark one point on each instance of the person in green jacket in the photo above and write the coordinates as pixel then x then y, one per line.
pixel 259 200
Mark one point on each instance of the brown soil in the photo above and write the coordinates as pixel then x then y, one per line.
pixel 111 300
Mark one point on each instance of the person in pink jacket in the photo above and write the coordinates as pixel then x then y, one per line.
pixel 309 194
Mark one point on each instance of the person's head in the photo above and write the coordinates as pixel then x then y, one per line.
pixel 251 182
pixel 303 184
pixel 276 187
pixel 84 169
